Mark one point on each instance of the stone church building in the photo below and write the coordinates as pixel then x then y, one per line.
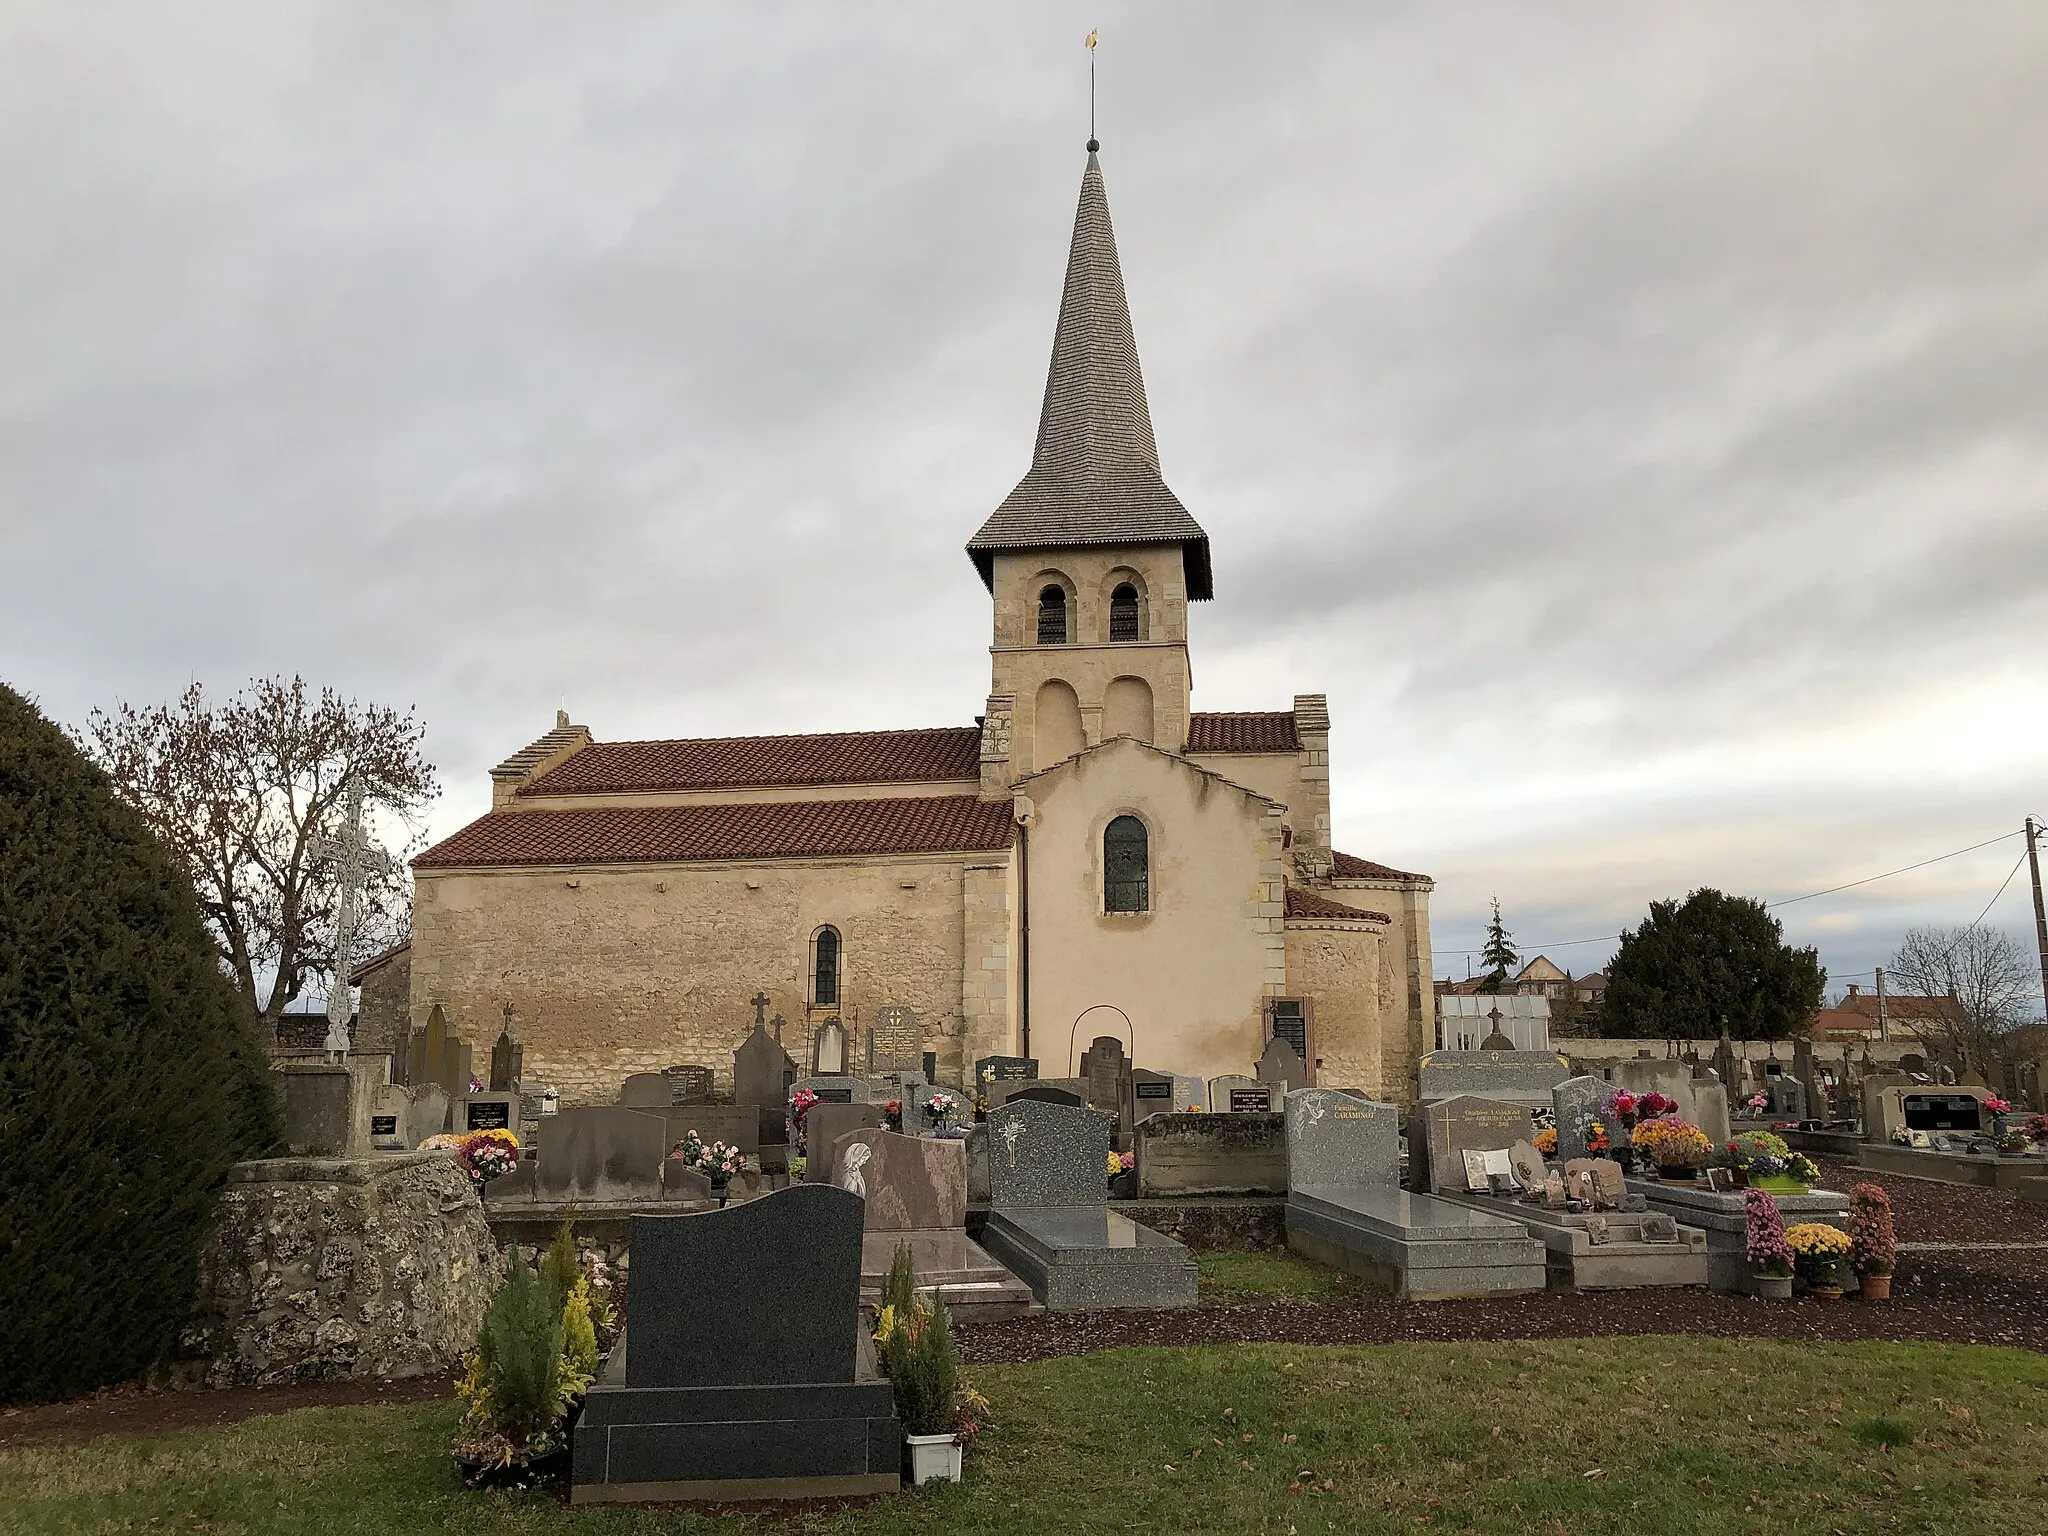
pixel 1091 842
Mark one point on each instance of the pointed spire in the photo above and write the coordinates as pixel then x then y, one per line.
pixel 1094 476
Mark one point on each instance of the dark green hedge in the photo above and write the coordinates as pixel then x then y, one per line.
pixel 130 1077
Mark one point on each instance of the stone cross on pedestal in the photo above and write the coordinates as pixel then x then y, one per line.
pixel 355 858
pixel 760 1002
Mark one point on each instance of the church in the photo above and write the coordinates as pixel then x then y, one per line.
pixel 1092 856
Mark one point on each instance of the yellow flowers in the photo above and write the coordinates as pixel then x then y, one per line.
pixel 1673 1143
pixel 885 1325
pixel 1116 1165
pixel 1816 1239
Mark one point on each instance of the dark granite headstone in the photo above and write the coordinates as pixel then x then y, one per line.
pixel 895 1041
pixel 1043 1154
pixel 910 1183
pixel 1942 1112
pixel 490 1112
pixel 762 1071
pixel 688 1083
pixel 507 1059
pixel 1575 1105
pixel 1521 1077
pixel 1151 1094
pixel 1006 1069
pixel 1045 1093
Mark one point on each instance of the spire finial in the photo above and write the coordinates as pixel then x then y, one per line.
pixel 1093 144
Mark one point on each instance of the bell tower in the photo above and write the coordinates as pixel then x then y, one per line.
pixel 1091 561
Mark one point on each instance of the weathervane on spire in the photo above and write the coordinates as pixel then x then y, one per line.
pixel 1090 40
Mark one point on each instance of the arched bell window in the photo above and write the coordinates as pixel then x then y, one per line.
pixel 825 978
pixel 1123 613
pixel 1126 866
pixel 1052 616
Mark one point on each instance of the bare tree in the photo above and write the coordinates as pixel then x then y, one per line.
pixel 244 791
pixel 1986 973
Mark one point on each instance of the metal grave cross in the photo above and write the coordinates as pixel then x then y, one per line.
pixel 355 858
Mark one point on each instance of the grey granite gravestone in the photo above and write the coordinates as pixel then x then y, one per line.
pixel 835 1090
pixel 1445 1129
pixel 1520 1077
pixel 1281 1067
pixel 646 1090
pixel 916 1193
pixel 1345 1207
pixel 1575 1104
pixel 1151 1094
pixel 426 1114
pixel 779 1400
pixel 1189 1093
pixel 737 1125
pixel 1235 1094
pixel 600 1155
pixel 1105 1069
pixel 895 1042
pixel 825 1125
pixel 1049 1220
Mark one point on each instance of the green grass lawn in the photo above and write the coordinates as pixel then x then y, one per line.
pixel 1275 1276
pixel 1576 1437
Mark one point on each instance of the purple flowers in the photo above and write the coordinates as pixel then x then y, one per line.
pixel 1768 1250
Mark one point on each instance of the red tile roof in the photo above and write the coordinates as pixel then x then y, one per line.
pixel 750 762
pixel 1306 903
pixel 1348 866
pixel 787 829
pixel 1259 731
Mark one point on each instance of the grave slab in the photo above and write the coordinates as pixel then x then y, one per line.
pixel 1720 1215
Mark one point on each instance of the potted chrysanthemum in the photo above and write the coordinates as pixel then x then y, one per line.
pixel 1818 1253
pixel 1678 1148
pixel 1873 1246
pixel 1770 1256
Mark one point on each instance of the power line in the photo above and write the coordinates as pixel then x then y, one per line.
pixel 1792 900
pixel 2016 863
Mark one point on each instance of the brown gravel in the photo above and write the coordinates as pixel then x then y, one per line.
pixel 1924 1211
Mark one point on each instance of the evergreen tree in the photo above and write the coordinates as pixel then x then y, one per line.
pixel 130 1077
pixel 1712 958
pixel 1498 955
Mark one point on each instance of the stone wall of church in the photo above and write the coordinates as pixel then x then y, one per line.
pixel 988 974
pixel 620 970
pixel 1408 995
pixel 1343 969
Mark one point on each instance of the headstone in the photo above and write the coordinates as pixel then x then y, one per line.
pixel 1452 1127
pixel 828 1049
pixel 315 1105
pixel 488 1112
pixel 1043 1154
pixel 1046 1093
pixel 1942 1112
pixel 1520 1077
pixel 826 1124
pixel 1788 1097
pixel 439 1057
pixel 1006 1069
pixel 688 1083
pixel 1726 1069
pixel 1281 1067
pixel 507 1060
pixel 1105 1070
pixel 1189 1093
pixel 895 1042
pixel 737 1125
pixel 387 1131
pixel 1236 1094
pixel 1190 1154
pixel 762 1071
pixel 778 1394
pixel 835 1090
pixel 646 1090
pixel 1575 1104
pixel 1151 1094
pixel 1335 1139
pixel 427 1113
pixel 598 1155
pixel 910 1183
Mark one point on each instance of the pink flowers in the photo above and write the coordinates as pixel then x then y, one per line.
pixel 1768 1250
pixel 487 1155
pixel 1998 1106
pixel 800 1104
pixel 1651 1105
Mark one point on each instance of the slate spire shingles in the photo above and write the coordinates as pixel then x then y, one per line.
pixel 1094 476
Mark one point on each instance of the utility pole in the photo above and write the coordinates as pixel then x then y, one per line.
pixel 2040 916
pixel 1884 1028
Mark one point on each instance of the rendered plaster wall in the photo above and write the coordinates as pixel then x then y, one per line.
pixel 617 970
pixel 1341 967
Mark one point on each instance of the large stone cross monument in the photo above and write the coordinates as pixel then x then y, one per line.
pixel 355 858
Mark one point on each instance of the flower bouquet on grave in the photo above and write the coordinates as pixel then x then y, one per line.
pixel 800 1104
pixel 1756 1104
pixel 1998 1109
pixel 1596 1137
pixel 2036 1130
pixel 442 1141
pixel 2013 1143
pixel 940 1107
pixel 1770 1256
pixel 892 1112
pixel 1546 1141
pixel 1678 1148
pixel 1771 1164
pixel 1818 1253
pixel 1620 1110
pixel 1873 1245
pixel 487 1155
pixel 1652 1105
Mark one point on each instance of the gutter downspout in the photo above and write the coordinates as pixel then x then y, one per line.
pixel 1024 936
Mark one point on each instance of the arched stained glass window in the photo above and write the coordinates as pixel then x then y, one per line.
pixel 826 987
pixel 1126 859
pixel 1123 613
pixel 1052 616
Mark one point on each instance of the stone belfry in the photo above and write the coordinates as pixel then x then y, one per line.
pixel 1091 560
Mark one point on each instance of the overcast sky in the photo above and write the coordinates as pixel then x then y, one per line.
pixel 1634 417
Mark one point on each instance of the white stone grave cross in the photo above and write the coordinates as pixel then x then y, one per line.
pixel 355 857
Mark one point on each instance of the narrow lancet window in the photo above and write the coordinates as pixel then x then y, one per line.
pixel 1123 613
pixel 826 986
pixel 1126 882
pixel 1052 616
